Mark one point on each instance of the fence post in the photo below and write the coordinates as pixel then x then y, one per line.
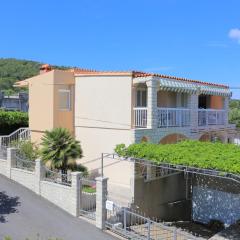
pixel 125 220
pixel 101 197
pixel 75 198
pixel 149 230
pixel 175 234
pixel 11 160
pixel 39 175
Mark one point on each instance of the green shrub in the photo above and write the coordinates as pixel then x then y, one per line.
pixel 219 156
pixel 11 121
pixel 27 149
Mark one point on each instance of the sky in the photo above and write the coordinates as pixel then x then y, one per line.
pixel 193 39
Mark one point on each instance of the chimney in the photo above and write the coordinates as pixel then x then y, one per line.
pixel 45 68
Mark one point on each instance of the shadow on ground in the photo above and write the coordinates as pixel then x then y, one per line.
pixel 8 205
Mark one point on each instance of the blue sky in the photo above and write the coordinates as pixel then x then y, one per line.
pixel 185 38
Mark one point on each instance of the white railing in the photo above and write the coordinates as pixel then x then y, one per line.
pixel 173 117
pixel 140 117
pixel 211 117
pixel 18 135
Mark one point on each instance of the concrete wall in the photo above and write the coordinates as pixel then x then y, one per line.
pixel 58 194
pixel 103 115
pixel 25 178
pixel 163 198
pixel 3 166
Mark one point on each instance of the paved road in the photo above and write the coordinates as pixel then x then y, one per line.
pixel 23 214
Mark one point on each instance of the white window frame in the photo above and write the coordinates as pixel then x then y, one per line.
pixel 141 90
pixel 69 99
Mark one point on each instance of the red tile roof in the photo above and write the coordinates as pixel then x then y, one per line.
pixel 144 74
pixel 138 74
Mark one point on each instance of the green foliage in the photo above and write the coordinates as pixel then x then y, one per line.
pixel 234 114
pixel 10 121
pixel 60 150
pixel 27 149
pixel 12 70
pixel 222 157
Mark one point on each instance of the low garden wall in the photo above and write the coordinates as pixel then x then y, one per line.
pixel 24 177
pixel 60 195
pixel 3 167
pixel 65 197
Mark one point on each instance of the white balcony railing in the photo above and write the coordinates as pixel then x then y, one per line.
pixel 173 117
pixel 211 117
pixel 140 117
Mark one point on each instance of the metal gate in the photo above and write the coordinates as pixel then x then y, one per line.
pixel 131 225
pixel 88 198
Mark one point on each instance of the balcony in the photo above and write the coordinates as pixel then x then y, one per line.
pixel 179 117
pixel 140 117
pixel 173 117
pixel 208 117
pixel 166 117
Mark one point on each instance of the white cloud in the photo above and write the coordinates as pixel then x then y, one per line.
pixel 235 34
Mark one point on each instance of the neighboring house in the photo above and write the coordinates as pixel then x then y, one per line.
pixel 17 102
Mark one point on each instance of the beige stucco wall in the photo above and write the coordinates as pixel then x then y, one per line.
pixel 103 114
pixel 44 113
pixel 103 101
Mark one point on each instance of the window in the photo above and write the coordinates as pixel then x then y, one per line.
pixel 64 99
pixel 184 100
pixel 141 98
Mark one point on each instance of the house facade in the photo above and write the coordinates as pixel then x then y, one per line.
pixel 103 109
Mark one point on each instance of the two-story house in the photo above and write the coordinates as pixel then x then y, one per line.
pixel 103 109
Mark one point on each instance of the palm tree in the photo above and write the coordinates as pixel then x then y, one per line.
pixel 60 150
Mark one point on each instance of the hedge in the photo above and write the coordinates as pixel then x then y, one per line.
pixel 207 155
pixel 11 121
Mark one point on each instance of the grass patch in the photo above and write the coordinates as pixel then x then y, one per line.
pixel 88 189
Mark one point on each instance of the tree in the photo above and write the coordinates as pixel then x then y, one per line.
pixel 60 150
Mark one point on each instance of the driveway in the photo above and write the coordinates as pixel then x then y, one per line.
pixel 23 214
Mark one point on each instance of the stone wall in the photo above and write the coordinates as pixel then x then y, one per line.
pixel 215 199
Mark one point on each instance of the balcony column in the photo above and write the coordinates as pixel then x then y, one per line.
pixel 193 106
pixel 226 108
pixel 152 88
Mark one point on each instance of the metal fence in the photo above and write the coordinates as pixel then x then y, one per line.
pixel 3 152
pixel 134 226
pixel 58 177
pixel 88 198
pixel 23 163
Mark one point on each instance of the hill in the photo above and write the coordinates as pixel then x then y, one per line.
pixel 12 70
